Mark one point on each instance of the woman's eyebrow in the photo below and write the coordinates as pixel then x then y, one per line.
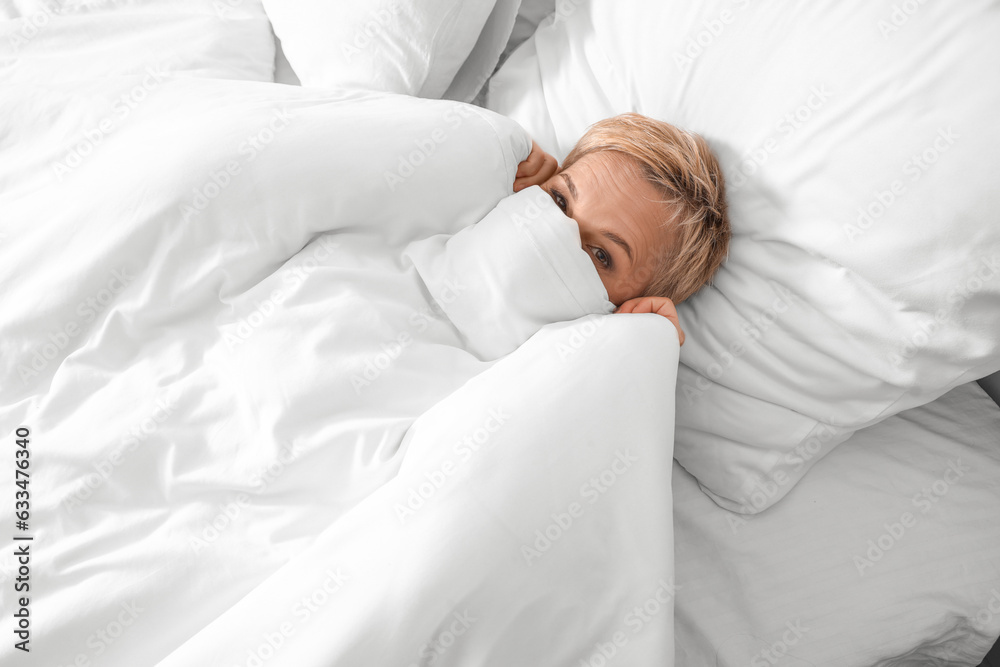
pixel 620 241
pixel 569 184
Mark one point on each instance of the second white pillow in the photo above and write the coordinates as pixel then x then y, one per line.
pixel 383 45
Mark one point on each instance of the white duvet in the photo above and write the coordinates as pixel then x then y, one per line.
pixel 306 385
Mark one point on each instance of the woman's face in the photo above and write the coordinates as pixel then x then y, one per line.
pixel 620 216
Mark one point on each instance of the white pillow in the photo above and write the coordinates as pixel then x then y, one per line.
pixel 391 45
pixel 529 15
pixel 861 152
pixel 472 76
pixel 55 42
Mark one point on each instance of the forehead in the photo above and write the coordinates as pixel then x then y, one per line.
pixel 613 193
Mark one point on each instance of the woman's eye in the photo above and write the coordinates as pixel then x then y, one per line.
pixel 558 199
pixel 602 256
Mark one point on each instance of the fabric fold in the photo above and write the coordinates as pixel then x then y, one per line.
pixel 525 246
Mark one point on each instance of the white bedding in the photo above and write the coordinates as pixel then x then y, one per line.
pixel 745 76
pixel 858 143
pixel 272 369
pixel 76 40
pixel 265 357
pixel 886 554
pixel 523 540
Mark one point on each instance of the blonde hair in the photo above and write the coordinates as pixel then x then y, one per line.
pixel 682 167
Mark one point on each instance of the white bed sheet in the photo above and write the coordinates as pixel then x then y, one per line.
pixel 887 553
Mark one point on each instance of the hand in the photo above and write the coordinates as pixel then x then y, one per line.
pixel 659 305
pixel 538 168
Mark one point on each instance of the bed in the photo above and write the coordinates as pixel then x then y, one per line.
pixel 291 377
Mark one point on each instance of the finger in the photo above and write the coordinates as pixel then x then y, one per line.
pixel 629 306
pixel 522 183
pixel 677 325
pixel 536 179
pixel 548 169
pixel 658 305
pixel 534 160
pixel 667 309
pixel 526 170
pixel 643 304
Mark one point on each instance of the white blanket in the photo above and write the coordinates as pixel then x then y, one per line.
pixel 76 40
pixel 289 404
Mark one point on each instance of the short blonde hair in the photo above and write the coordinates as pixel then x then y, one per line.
pixel 682 167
